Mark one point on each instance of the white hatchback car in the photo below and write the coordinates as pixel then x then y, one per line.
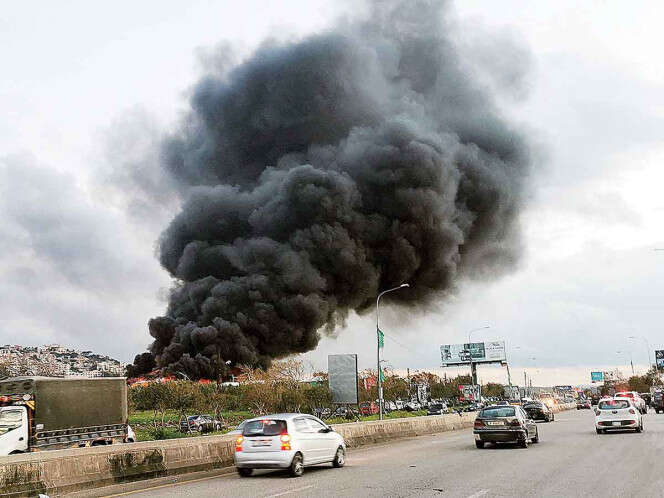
pixel 617 414
pixel 287 441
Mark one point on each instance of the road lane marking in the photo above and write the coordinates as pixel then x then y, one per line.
pixel 169 485
pixel 289 491
pixel 481 492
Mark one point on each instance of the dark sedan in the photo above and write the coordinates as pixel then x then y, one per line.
pixel 583 404
pixel 200 424
pixel 504 424
pixel 539 411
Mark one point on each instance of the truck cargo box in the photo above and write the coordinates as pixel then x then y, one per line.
pixel 72 403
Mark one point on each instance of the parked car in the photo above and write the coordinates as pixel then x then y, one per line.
pixel 658 401
pixel 369 408
pixel 200 423
pixel 346 412
pixel 539 411
pixel 389 406
pixel 437 409
pixel 238 430
pixel 322 413
pixel 412 406
pixel 618 413
pixel 583 404
pixel 287 441
pixel 638 401
pixel 399 404
pixel 504 424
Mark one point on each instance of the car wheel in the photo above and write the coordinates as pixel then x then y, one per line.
pixel 523 443
pixel 599 431
pixel 244 472
pixel 217 427
pixel 339 458
pixel 297 466
pixel 479 444
pixel 535 439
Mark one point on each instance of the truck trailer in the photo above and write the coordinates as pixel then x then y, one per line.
pixel 47 413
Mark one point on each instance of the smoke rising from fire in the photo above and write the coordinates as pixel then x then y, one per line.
pixel 320 172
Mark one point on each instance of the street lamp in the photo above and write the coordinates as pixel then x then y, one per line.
pixel 630 359
pixel 473 373
pixel 647 346
pixel 380 382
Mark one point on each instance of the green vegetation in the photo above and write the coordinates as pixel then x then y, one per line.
pixel 156 408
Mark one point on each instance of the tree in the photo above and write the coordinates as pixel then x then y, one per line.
pixel 494 390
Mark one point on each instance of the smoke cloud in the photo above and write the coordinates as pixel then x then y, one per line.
pixel 323 171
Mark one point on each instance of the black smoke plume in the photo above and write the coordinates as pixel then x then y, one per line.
pixel 321 172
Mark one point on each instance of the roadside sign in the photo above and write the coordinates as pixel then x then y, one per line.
pixel 597 376
pixel 478 352
pixel 659 358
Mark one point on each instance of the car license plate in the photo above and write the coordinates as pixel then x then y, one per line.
pixel 495 423
pixel 616 423
pixel 261 442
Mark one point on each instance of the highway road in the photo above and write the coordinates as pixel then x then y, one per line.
pixel 571 460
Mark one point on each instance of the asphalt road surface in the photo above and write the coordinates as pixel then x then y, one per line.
pixel 570 460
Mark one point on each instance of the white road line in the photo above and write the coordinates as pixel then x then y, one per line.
pixel 481 492
pixel 289 491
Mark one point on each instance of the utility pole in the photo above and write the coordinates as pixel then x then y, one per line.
pixel 379 344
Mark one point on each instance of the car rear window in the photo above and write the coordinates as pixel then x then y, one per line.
pixel 624 395
pixel 498 411
pixel 436 407
pixel 613 404
pixel 264 427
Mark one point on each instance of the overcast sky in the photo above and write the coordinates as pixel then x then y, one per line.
pixel 88 90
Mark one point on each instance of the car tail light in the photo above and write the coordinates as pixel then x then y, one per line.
pixel 285 442
pixel 515 423
pixel 631 410
pixel 478 424
pixel 238 443
pixel 597 411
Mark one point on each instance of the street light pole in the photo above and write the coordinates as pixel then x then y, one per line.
pixel 647 346
pixel 380 382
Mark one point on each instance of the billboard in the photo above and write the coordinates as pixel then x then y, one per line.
pixel 342 371
pixel 597 376
pixel 659 358
pixel 469 393
pixel 479 352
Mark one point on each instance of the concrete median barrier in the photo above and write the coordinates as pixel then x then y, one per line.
pixel 63 471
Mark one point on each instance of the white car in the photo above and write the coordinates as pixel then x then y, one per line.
pixel 639 402
pixel 287 441
pixel 617 414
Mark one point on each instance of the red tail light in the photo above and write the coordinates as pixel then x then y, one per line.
pixel 285 442
pixel 515 423
pixel 238 443
pixel 596 411
pixel 631 410
pixel 478 424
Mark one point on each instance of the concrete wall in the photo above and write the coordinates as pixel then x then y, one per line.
pixel 62 471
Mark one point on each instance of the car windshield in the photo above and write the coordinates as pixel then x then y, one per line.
pixel 533 404
pixel 264 427
pixel 10 420
pixel 436 406
pixel 498 411
pixel 613 404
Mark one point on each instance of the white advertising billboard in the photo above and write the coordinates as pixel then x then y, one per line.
pixel 479 352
